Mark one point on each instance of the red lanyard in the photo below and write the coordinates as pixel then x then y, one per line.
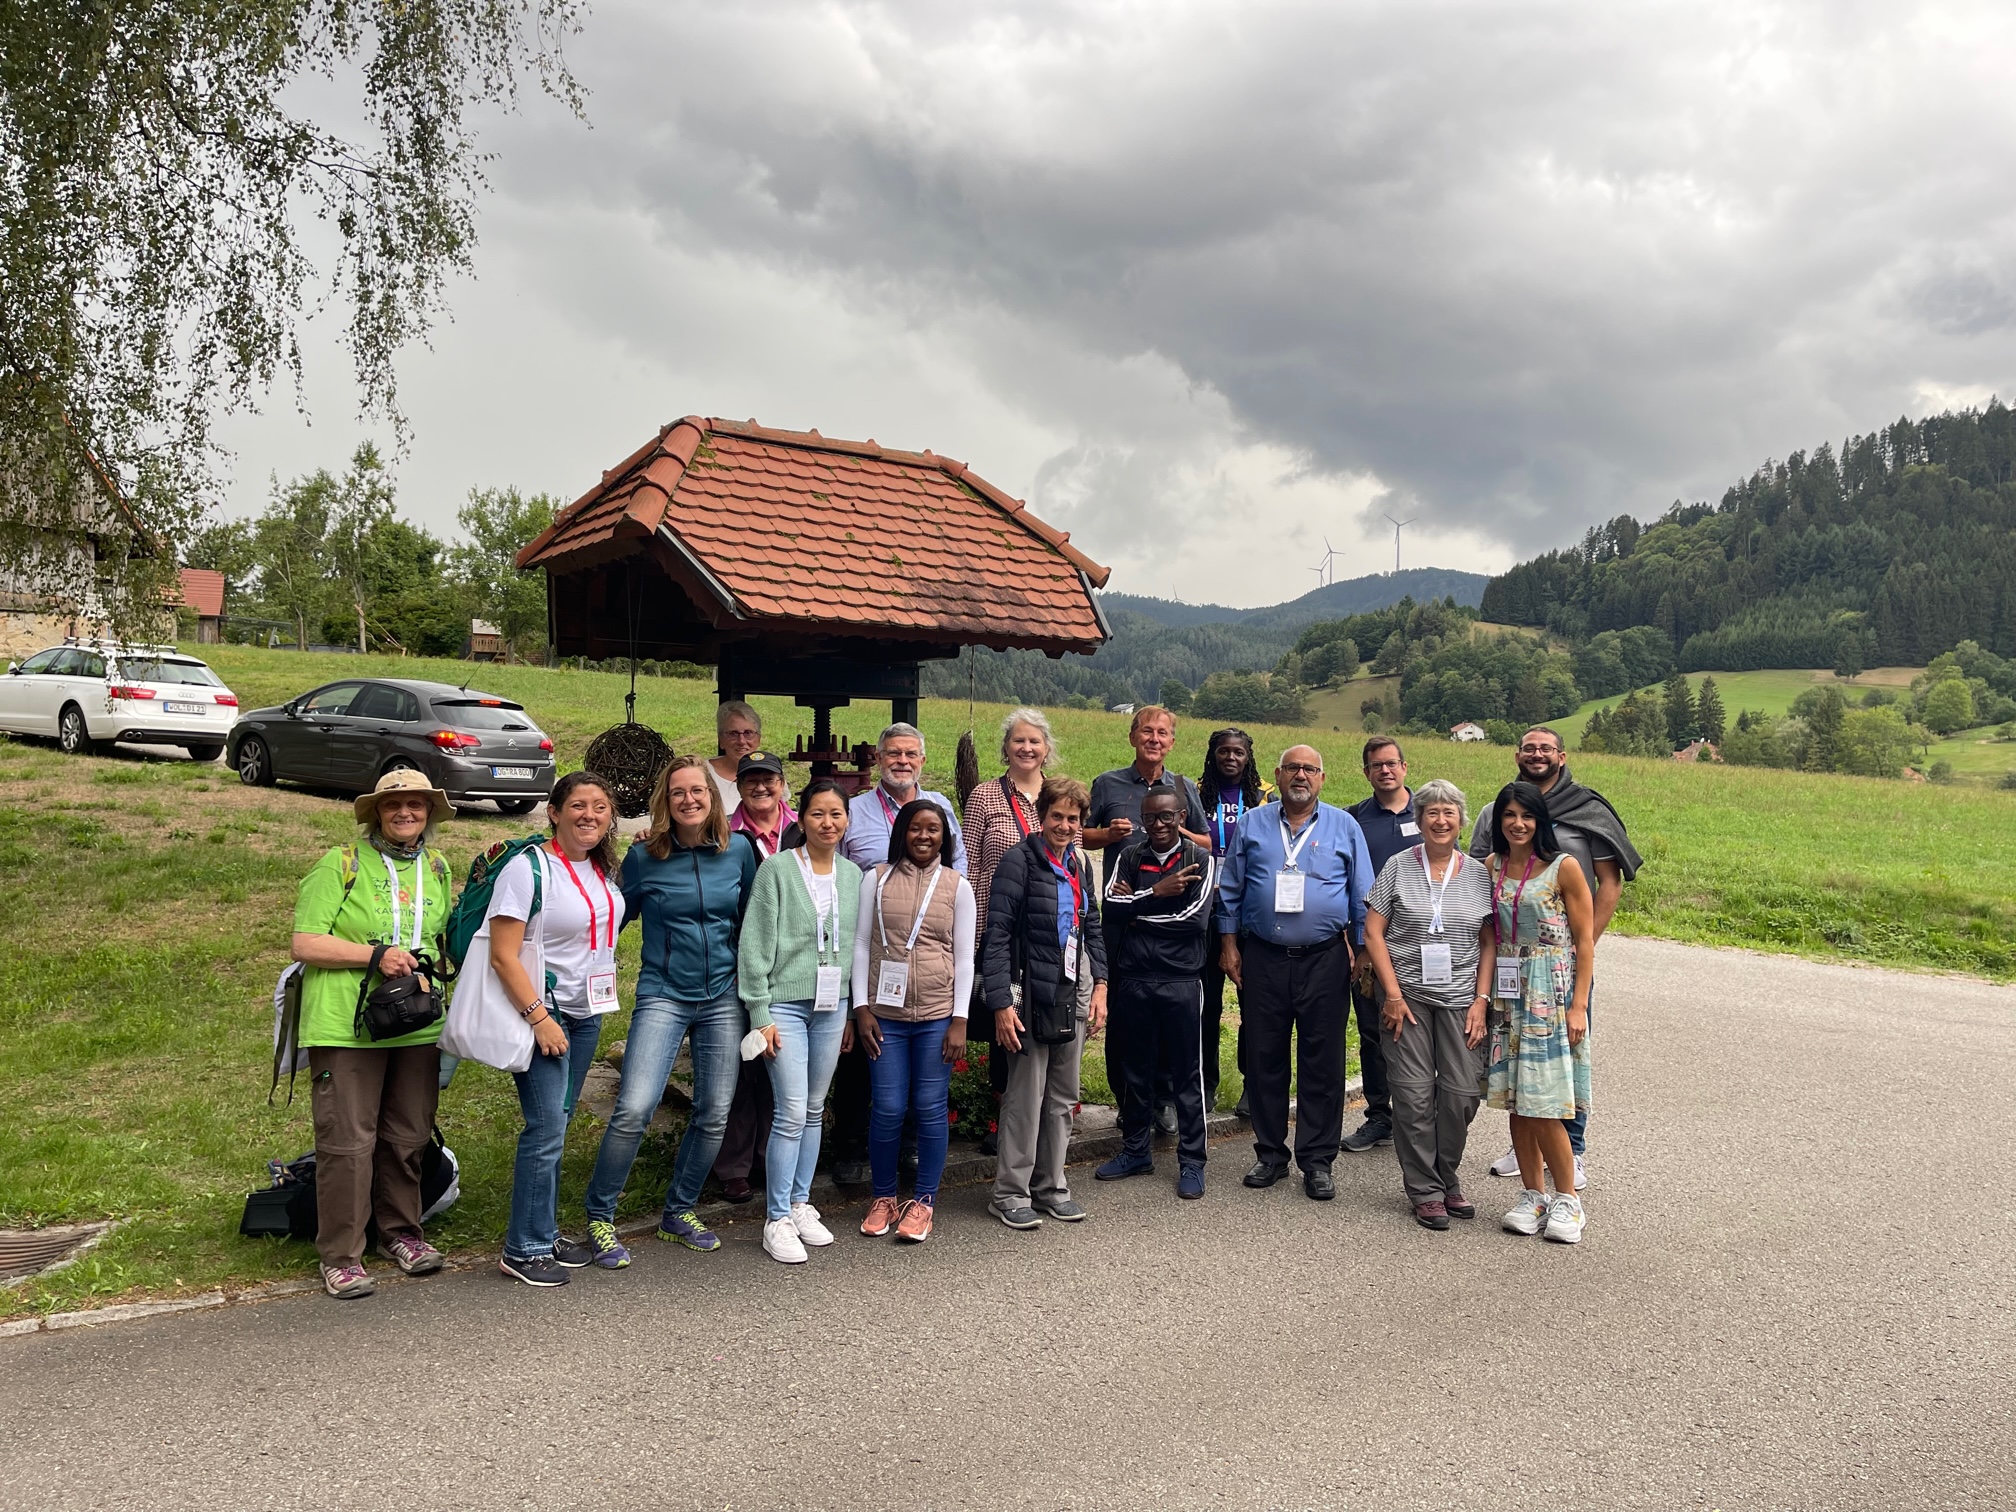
pixel 575 877
pixel 1027 826
pixel 1517 894
pixel 1070 873
pixel 889 810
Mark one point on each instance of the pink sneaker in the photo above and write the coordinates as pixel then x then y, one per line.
pixel 347 1281
pixel 412 1254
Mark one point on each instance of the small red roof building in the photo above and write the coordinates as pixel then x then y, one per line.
pixel 806 565
pixel 203 592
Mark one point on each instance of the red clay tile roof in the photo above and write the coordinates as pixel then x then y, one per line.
pixel 203 591
pixel 793 527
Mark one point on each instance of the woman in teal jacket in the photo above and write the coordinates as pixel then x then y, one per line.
pixel 687 881
pixel 797 953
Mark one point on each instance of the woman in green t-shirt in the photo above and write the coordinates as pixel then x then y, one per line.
pixel 384 899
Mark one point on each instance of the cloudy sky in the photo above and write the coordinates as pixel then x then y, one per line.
pixel 1207 283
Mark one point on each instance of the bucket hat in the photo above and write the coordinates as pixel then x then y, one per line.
pixel 403 780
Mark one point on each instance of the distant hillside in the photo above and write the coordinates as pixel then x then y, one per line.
pixel 1158 639
pixel 1898 550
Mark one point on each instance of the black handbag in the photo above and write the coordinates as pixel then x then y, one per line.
pixel 398 1005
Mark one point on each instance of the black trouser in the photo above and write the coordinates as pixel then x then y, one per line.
pixel 1150 1024
pixel 1304 994
pixel 1213 1035
pixel 1372 1054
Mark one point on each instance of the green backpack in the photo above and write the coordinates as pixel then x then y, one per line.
pixel 473 907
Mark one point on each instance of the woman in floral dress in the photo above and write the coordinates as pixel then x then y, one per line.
pixel 1537 1065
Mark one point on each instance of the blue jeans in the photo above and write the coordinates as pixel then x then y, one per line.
pixel 911 1075
pixel 656 1029
pixel 808 1048
pixel 547 1090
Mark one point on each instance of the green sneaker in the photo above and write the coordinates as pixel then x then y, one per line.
pixel 610 1252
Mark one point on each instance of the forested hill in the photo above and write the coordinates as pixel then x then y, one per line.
pixel 1897 550
pixel 1158 640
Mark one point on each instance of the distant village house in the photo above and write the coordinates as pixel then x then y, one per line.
pixel 1466 731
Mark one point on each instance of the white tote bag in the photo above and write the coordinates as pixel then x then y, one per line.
pixel 483 1023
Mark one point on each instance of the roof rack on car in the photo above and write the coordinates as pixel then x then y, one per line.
pixel 132 648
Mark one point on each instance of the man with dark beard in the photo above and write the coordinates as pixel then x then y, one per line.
pixel 1588 829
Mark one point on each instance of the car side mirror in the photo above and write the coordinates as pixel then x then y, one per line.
pixel 12 668
pixel 293 709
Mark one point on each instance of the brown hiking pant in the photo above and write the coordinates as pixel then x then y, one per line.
pixel 374 1112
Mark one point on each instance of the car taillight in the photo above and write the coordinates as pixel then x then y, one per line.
pixel 230 699
pixel 131 692
pixel 453 740
pixel 545 742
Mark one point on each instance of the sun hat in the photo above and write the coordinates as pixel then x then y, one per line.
pixel 402 780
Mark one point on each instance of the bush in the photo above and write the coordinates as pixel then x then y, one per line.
pixel 1502 732
pixel 1942 771
pixel 1248 696
pixel 2008 781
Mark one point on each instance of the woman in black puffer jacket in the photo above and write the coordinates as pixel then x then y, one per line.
pixel 1044 967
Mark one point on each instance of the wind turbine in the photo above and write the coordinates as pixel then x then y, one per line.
pixel 1398 526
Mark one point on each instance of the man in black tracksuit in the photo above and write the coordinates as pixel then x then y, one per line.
pixel 1157 917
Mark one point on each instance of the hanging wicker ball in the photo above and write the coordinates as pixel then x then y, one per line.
pixel 966 770
pixel 630 756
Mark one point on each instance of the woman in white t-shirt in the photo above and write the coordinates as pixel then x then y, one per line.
pixel 577 915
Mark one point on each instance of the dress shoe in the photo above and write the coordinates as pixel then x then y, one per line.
pixel 1165 1119
pixel 1317 1183
pixel 737 1189
pixel 1265 1175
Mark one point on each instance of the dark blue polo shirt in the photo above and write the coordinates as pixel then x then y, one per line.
pixel 1386 834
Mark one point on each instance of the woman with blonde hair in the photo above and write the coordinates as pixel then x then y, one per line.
pixel 687 879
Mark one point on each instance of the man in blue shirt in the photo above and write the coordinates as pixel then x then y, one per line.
pixel 1291 912
pixel 1388 820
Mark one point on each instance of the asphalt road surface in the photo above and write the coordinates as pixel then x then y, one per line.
pixel 1796 1292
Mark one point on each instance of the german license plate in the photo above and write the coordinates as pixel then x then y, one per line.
pixel 523 774
pixel 198 710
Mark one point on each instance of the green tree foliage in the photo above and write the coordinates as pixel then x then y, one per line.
pixel 1709 715
pixel 1949 706
pixel 1248 697
pixel 1758 740
pixel 225 546
pixel 1906 543
pixel 288 541
pixel 1174 696
pixel 1682 722
pixel 1635 727
pixel 497 523
pixel 157 163
pixel 360 510
pixel 1616 661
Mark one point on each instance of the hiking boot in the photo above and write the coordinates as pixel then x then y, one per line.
pixel 880 1218
pixel 1063 1209
pixel 1431 1215
pixel 571 1253
pixel 1506 1164
pixel 1459 1206
pixel 610 1252
pixel 1369 1135
pixel 781 1241
pixel 1565 1220
pixel 913 1221
pixel 544 1271
pixel 413 1255
pixel 347 1281
pixel 1527 1214
pixel 1123 1165
pixel 805 1220
pixel 1190 1183
pixel 1019 1217
pixel 684 1227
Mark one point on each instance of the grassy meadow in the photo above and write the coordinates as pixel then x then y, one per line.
pixel 152 902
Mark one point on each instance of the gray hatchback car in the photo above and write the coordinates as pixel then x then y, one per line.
pixel 345 735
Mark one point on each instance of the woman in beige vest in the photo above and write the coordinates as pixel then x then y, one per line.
pixel 913 978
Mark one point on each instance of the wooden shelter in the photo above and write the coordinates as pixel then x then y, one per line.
pixel 818 569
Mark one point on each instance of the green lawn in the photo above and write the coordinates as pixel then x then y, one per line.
pixel 1772 691
pixel 1977 756
pixel 151 903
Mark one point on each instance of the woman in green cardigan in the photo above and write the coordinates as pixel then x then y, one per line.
pixel 797 947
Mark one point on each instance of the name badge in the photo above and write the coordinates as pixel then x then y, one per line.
pixel 1071 957
pixel 1510 985
pixel 601 991
pixel 1437 969
pixel 1288 892
pixel 826 996
pixel 892 983
pixel 1409 827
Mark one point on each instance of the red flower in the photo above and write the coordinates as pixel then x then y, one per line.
pixel 993 1127
pixel 951 1115
pixel 961 1064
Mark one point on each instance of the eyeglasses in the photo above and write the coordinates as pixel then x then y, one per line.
pixel 1380 766
pixel 1294 767
pixel 1537 750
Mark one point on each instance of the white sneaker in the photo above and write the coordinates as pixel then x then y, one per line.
pixel 805 1219
pixel 1506 1164
pixel 1581 1176
pixel 1527 1214
pixel 1565 1220
pixel 781 1241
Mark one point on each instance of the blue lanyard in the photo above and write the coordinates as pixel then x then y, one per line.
pixel 1218 820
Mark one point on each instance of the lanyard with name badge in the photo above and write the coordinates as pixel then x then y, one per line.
pixel 601 984
pixel 1288 882
pixel 826 995
pixel 1437 965
pixel 419 896
pixel 1510 987
pixel 1218 822
pixel 892 983
pixel 1070 873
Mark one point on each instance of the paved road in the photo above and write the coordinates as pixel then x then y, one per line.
pixel 1796 1293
